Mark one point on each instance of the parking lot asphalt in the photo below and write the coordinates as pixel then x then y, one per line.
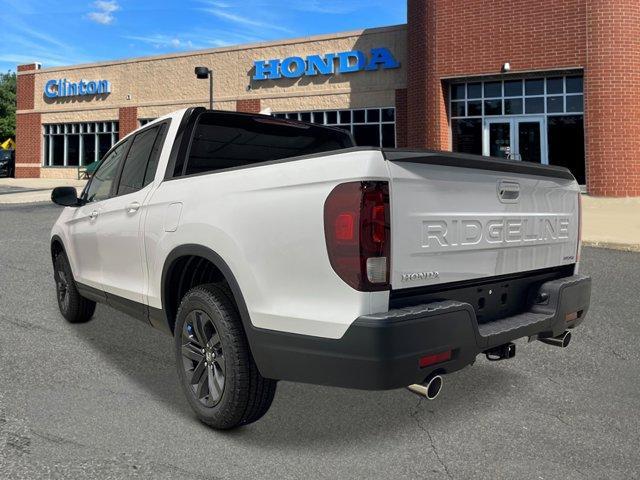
pixel 101 400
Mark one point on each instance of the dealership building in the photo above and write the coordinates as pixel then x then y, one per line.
pixel 547 81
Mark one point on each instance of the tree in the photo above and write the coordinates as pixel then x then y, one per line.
pixel 7 106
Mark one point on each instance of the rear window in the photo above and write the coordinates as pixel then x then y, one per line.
pixel 224 140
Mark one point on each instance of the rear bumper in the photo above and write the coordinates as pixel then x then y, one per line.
pixel 382 351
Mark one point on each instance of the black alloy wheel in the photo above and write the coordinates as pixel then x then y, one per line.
pixel 73 306
pixel 203 358
pixel 217 372
pixel 62 290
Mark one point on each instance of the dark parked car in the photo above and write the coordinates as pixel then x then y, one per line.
pixel 7 163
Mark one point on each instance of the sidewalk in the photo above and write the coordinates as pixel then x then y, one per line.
pixel 607 222
pixel 29 190
pixel 611 222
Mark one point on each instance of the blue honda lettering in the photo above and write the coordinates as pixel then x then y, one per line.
pixel 346 61
pixel 269 70
pixel 382 57
pixel 319 65
pixel 298 67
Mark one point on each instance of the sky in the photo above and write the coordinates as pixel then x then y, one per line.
pixel 58 33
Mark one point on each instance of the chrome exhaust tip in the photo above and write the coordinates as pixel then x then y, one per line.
pixel 430 389
pixel 559 341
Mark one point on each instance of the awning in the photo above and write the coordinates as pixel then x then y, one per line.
pixel 8 145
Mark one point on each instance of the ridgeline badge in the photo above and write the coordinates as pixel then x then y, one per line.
pixel 64 88
pixel 328 64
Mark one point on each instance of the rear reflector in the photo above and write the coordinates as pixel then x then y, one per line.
pixel 570 317
pixel 429 360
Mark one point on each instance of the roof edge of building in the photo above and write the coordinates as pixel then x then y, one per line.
pixel 231 48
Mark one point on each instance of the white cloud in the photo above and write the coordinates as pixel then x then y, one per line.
pixel 327 6
pixel 158 40
pixel 246 21
pixel 24 44
pixel 104 10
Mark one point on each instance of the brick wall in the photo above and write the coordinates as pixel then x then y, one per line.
pixel 449 38
pixel 128 120
pixel 28 126
pixel 401 117
pixel 612 93
pixel 251 105
pixel 417 70
pixel 25 88
pixel 473 37
pixel 28 145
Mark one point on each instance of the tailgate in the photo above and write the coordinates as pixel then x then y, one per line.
pixel 461 217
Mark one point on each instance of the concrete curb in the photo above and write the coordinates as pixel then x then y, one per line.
pixel 19 198
pixel 625 247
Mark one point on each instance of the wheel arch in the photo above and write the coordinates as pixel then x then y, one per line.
pixel 57 247
pixel 173 266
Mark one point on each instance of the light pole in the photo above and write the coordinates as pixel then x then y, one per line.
pixel 202 73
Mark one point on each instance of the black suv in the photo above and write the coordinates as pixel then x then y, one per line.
pixel 7 163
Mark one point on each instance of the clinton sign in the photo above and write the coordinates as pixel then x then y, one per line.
pixel 328 64
pixel 64 88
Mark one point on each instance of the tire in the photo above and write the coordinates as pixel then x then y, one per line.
pixel 223 386
pixel 73 306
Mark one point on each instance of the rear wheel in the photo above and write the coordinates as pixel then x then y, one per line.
pixel 73 307
pixel 216 370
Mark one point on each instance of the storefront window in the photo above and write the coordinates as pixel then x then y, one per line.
pixel 77 144
pixel 539 119
pixel 371 127
pixel 467 135
pixel 566 143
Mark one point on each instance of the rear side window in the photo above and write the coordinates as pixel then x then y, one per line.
pixel 135 167
pixel 224 140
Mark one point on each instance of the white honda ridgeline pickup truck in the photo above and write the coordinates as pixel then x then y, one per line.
pixel 276 250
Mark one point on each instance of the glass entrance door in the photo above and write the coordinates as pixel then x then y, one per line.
pixel 530 142
pixel 500 138
pixel 518 138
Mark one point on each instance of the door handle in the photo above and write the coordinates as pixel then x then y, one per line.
pixel 93 214
pixel 133 207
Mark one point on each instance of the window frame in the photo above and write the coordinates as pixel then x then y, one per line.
pixel 82 130
pixel 523 96
pixel 296 116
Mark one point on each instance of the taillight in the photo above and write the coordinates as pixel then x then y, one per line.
pixel 579 227
pixel 357 230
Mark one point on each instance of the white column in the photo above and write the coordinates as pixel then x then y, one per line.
pixel 80 148
pixel 96 153
pixel 50 162
pixel 65 147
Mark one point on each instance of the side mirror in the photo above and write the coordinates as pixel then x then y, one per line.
pixel 65 196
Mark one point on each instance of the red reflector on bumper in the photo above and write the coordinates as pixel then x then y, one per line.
pixel 570 317
pixel 428 360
